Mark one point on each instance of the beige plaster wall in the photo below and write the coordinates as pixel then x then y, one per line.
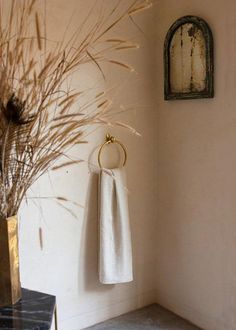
pixel 195 179
pixel 67 265
pixel 181 180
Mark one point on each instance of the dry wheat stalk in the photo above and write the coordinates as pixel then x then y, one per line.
pixel 37 123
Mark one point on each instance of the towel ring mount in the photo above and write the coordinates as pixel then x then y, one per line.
pixel 111 139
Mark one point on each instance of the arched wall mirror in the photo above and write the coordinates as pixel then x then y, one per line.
pixel 188 60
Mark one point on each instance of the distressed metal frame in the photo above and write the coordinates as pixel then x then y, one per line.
pixel 208 92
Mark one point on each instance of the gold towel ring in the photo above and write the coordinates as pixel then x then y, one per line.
pixel 111 139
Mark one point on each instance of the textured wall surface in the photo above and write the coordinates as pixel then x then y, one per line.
pixel 195 179
pixel 181 176
pixel 67 265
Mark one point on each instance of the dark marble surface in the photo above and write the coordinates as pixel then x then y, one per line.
pixel 33 312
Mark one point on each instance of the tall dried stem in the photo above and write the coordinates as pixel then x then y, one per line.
pixel 39 120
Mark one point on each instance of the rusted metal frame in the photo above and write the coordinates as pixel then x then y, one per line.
pixel 207 34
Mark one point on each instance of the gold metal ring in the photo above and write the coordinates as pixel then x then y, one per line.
pixel 111 139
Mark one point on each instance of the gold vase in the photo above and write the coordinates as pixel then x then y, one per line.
pixel 10 288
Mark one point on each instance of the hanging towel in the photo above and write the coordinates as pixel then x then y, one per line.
pixel 115 252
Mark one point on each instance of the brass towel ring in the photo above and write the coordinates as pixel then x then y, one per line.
pixel 111 139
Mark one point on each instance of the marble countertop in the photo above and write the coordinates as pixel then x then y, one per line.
pixel 33 312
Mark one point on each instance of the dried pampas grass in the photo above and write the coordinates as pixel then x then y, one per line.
pixel 37 123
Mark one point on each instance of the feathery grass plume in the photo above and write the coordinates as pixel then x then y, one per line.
pixel 39 119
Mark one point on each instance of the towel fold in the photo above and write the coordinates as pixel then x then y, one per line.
pixel 115 252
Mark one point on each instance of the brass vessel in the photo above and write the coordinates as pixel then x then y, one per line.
pixel 10 288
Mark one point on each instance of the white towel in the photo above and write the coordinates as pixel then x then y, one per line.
pixel 115 253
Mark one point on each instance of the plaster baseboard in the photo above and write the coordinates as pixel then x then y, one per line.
pixel 110 311
pixel 188 313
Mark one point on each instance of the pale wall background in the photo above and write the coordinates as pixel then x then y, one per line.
pixel 182 184
pixel 67 265
pixel 195 179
